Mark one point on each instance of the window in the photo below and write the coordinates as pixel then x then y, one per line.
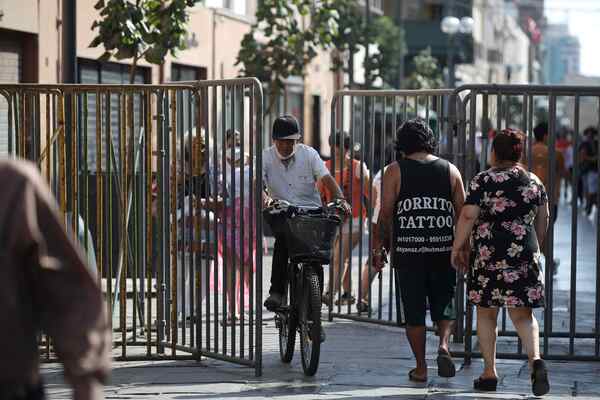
pixel 186 115
pixel 237 6
pixel 95 72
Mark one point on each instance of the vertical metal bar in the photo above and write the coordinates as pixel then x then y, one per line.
pixel 99 190
pixel 259 265
pixel 48 128
pixel 216 174
pixel 149 227
pixel 223 237
pixel 575 189
pixel 254 205
pixel 232 91
pixel 161 256
pixel 180 225
pixel 173 225
pixel 108 222
pixel 380 197
pixel 242 221
pixel 369 216
pixel 192 194
pixel 73 167
pixel 548 310
pixel 123 220
pixel 530 131
pixel 485 130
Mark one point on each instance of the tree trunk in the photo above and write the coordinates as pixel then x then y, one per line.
pixel 132 69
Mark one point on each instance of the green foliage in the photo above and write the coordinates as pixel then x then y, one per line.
pixel 148 29
pixel 286 46
pixel 387 63
pixel 427 73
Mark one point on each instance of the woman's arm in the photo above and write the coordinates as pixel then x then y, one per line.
pixel 468 216
pixel 541 223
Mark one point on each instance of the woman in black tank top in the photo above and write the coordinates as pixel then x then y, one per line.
pixel 422 194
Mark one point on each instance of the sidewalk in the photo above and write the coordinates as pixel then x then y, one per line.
pixel 357 361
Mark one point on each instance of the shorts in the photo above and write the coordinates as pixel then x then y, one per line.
pixel 430 280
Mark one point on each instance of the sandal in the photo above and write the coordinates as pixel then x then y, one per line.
pixel 345 299
pixel 485 384
pixel 363 306
pixel 413 377
pixel 446 368
pixel 539 378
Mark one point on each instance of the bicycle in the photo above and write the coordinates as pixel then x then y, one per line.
pixel 309 235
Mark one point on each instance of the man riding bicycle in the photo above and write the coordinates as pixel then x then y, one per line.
pixel 291 171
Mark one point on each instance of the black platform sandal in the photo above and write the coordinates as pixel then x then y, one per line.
pixel 485 384
pixel 539 378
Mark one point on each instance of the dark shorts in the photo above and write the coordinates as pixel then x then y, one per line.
pixel 431 280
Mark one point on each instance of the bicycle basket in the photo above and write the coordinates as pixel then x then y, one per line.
pixel 310 238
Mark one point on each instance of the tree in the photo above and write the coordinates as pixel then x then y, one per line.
pixel 148 29
pixel 427 73
pixel 387 62
pixel 285 46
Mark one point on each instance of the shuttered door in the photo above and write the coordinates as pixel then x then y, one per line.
pixel 92 72
pixel 10 72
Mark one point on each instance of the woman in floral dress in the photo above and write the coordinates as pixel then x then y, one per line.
pixel 506 217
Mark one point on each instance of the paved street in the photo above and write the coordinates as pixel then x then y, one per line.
pixel 362 360
pixel 358 361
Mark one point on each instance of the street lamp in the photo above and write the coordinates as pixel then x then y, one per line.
pixel 451 26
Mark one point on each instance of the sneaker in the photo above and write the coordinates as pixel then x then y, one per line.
pixel 273 302
pixel 345 299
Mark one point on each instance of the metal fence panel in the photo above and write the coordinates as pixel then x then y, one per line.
pixel 464 121
pixel 145 176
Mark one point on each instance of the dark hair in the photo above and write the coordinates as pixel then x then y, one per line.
pixel 590 130
pixel 414 136
pixel 340 138
pixel 540 131
pixel 232 134
pixel 508 145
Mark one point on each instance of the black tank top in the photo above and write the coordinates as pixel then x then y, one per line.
pixel 424 212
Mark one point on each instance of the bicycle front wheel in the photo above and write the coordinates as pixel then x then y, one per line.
pixel 310 323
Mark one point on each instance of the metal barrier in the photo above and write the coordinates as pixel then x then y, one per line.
pixel 457 118
pixel 371 119
pixel 153 183
pixel 570 323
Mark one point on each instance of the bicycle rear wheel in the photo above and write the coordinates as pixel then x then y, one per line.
pixel 287 323
pixel 310 323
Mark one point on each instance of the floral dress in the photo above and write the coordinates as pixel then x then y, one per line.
pixel 506 269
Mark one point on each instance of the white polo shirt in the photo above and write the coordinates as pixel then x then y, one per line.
pixel 296 181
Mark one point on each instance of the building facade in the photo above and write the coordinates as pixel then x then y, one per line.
pixel 562 54
pixel 31 51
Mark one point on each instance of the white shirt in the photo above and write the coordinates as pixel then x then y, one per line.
pixel 296 181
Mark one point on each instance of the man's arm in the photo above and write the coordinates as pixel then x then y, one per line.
pixel 332 186
pixel 458 191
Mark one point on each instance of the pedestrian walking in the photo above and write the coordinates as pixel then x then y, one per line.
pixel 423 193
pixel 506 217
pixel 46 287
pixel 588 168
pixel 353 177
pixel 540 163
